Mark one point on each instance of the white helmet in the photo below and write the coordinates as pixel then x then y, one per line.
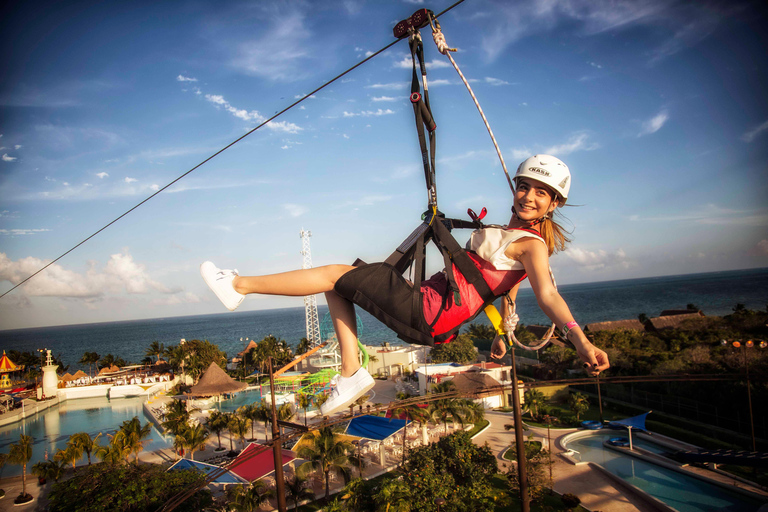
pixel 548 170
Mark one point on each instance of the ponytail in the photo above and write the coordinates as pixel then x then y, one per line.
pixel 555 236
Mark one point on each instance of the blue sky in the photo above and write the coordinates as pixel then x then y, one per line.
pixel 658 107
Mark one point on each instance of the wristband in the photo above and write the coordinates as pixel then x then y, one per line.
pixel 567 328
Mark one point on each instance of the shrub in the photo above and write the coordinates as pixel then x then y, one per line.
pixel 570 500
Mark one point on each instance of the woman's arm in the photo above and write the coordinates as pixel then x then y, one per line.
pixel 534 257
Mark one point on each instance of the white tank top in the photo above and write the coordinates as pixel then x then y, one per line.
pixel 491 244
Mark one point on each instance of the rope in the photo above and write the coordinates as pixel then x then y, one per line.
pixel 442 47
pixel 509 327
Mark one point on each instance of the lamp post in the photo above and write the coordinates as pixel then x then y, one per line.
pixel 549 419
pixel 356 442
pixel 438 502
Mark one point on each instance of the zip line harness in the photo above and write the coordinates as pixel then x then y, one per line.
pixel 436 227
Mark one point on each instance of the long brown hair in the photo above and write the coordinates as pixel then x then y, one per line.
pixel 555 235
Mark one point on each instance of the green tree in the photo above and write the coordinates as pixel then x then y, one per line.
pixel 71 454
pixel 128 488
pixel 303 400
pixel 264 413
pixel 578 403
pixel 239 426
pixel 156 349
pixel 447 408
pixel 84 441
pixel 192 438
pixel 461 350
pixel 303 347
pixel 177 415
pixel 217 423
pixel 298 489
pixel 455 469
pixel 394 496
pixel 411 413
pixel 326 452
pixel 535 400
pixel 131 437
pixel 89 358
pixel 48 469
pixel 20 454
pixel 248 497
pixel 251 412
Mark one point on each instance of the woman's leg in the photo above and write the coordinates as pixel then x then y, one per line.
pixel 345 324
pixel 309 282
pixel 295 283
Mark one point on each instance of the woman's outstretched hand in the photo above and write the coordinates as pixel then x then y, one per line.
pixel 595 360
pixel 498 348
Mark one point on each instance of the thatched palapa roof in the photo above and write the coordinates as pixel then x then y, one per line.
pixel 671 312
pixel 215 381
pixel 632 324
pixel 472 382
pixel 675 321
pixel 66 377
pixel 111 369
pixel 251 345
pixel 79 375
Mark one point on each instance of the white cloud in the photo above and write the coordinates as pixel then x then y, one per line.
pixel 282 48
pixel 391 85
pixel 7 158
pixel 295 210
pixel 521 153
pixel 253 115
pixel 439 82
pixel 130 180
pixel 654 124
pixel 182 78
pixel 284 126
pixel 407 63
pixel 577 142
pixel 120 275
pixel 154 187
pixel 495 81
pixel 384 98
pixel 369 113
pixel 762 246
pixel 712 214
pixel 102 175
pixel 754 132
pixel 598 260
pixel 17 147
pixel 595 65
pixel 21 232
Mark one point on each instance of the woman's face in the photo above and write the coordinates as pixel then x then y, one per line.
pixel 533 200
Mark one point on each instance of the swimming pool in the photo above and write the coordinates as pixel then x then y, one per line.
pixel 678 490
pixel 50 429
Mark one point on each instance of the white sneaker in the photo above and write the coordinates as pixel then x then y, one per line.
pixel 220 281
pixel 347 390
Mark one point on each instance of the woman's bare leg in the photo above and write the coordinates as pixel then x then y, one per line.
pixel 345 324
pixel 295 283
pixel 309 282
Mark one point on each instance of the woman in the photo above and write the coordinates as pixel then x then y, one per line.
pixel 503 255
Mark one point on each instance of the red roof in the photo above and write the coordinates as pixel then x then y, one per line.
pixel 487 365
pixel 252 467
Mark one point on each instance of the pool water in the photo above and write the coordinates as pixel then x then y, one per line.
pixel 240 399
pixel 680 491
pixel 50 429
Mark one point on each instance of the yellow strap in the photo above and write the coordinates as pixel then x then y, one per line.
pixel 495 317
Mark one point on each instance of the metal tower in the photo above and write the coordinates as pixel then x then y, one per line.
pixel 310 301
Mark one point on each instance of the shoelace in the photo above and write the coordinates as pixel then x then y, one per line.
pixel 225 273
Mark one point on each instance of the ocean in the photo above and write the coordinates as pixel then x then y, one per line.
pixel 714 293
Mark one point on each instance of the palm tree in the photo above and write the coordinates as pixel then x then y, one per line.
pixel 284 413
pixel 251 412
pixel 239 426
pixel 303 346
pixel 264 414
pixel 20 453
pixel 297 490
pixel 412 412
pixel 217 422
pixel 88 445
pixel 355 495
pixel 89 358
pixel 48 469
pixel 394 496
pixel 194 438
pixel 372 359
pixel 474 412
pixel 71 454
pixel 326 452
pixel 446 408
pixel 176 416
pixel 303 401
pixel 107 361
pixel 534 399
pixel 156 349
pixel 132 435
pixel 578 403
pixel 249 497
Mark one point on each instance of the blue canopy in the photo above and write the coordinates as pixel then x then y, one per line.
pixel 374 427
pixel 637 422
pixel 226 478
